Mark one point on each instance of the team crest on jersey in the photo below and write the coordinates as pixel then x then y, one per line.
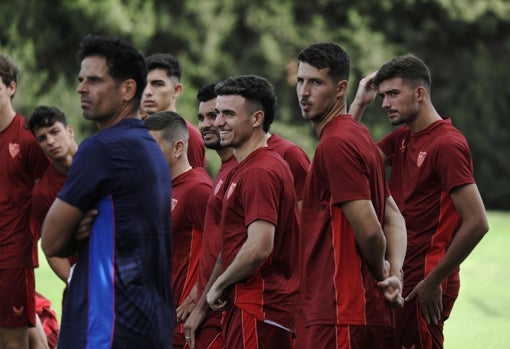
pixel 174 203
pixel 218 186
pixel 13 149
pixel 231 189
pixel 421 158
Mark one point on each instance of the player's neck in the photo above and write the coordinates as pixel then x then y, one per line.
pixel 225 153
pixel 180 167
pixel 425 118
pixel 6 116
pixel 257 140
pixel 127 111
pixel 339 108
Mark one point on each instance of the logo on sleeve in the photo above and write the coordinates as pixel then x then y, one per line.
pixel 174 203
pixel 421 158
pixel 218 186
pixel 13 149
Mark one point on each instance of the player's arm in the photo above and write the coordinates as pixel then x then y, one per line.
pixel 198 314
pixel 57 236
pixel 396 244
pixel 474 226
pixel 253 253
pixel 60 266
pixel 368 233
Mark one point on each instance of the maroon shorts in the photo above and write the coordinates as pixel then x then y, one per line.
pixel 210 335
pixel 345 337
pixel 17 303
pixel 243 331
pixel 411 330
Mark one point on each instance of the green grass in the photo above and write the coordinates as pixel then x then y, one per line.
pixel 480 317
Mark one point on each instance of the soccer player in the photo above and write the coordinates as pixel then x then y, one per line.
pixel 161 93
pixel 120 294
pixel 203 327
pixel 56 139
pixel 190 191
pixel 23 164
pixel 433 185
pixel 352 235
pixel 259 223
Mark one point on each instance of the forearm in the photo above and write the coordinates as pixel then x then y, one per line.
pixel 396 237
pixel 246 262
pixel 60 267
pixel 216 272
pixel 373 250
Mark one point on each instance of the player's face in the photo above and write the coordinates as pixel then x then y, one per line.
pixel 316 91
pixel 160 92
pixel 233 120
pixel 56 141
pixel 399 100
pixel 206 119
pixel 100 95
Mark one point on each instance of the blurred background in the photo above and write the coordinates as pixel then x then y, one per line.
pixel 466 44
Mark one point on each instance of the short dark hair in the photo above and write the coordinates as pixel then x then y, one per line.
pixel 255 89
pixel 8 70
pixel 407 67
pixel 327 55
pixel 124 61
pixel 164 61
pixel 171 124
pixel 207 92
pixel 44 116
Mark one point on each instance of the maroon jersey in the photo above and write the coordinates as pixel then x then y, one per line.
pixel 190 191
pixel 196 147
pixel 43 195
pixel 212 238
pixel 260 188
pixel 338 288
pixel 297 159
pixel 425 167
pixel 22 163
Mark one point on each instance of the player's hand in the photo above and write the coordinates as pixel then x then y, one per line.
pixel 184 309
pixel 431 300
pixel 192 325
pixel 366 91
pixel 85 226
pixel 213 298
pixel 391 287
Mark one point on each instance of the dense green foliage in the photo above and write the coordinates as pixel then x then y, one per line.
pixel 464 42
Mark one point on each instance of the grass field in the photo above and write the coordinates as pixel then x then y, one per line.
pixel 481 316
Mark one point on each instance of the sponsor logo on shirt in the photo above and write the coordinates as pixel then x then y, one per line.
pixel 403 146
pixel 174 203
pixel 231 189
pixel 13 149
pixel 421 158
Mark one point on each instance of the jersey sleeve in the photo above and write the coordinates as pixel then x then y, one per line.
pixel 299 164
pixel 344 170
pixel 261 191
pixel 88 175
pixel 454 163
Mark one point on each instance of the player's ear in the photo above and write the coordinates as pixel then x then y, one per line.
pixel 258 118
pixel 178 148
pixel 128 89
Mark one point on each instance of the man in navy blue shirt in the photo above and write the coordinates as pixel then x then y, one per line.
pixel 119 295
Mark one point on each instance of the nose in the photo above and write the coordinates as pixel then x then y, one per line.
pixel 303 89
pixel 81 87
pixel 385 103
pixel 220 120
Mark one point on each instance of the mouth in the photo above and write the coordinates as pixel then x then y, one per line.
pixel 149 103
pixel 305 106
